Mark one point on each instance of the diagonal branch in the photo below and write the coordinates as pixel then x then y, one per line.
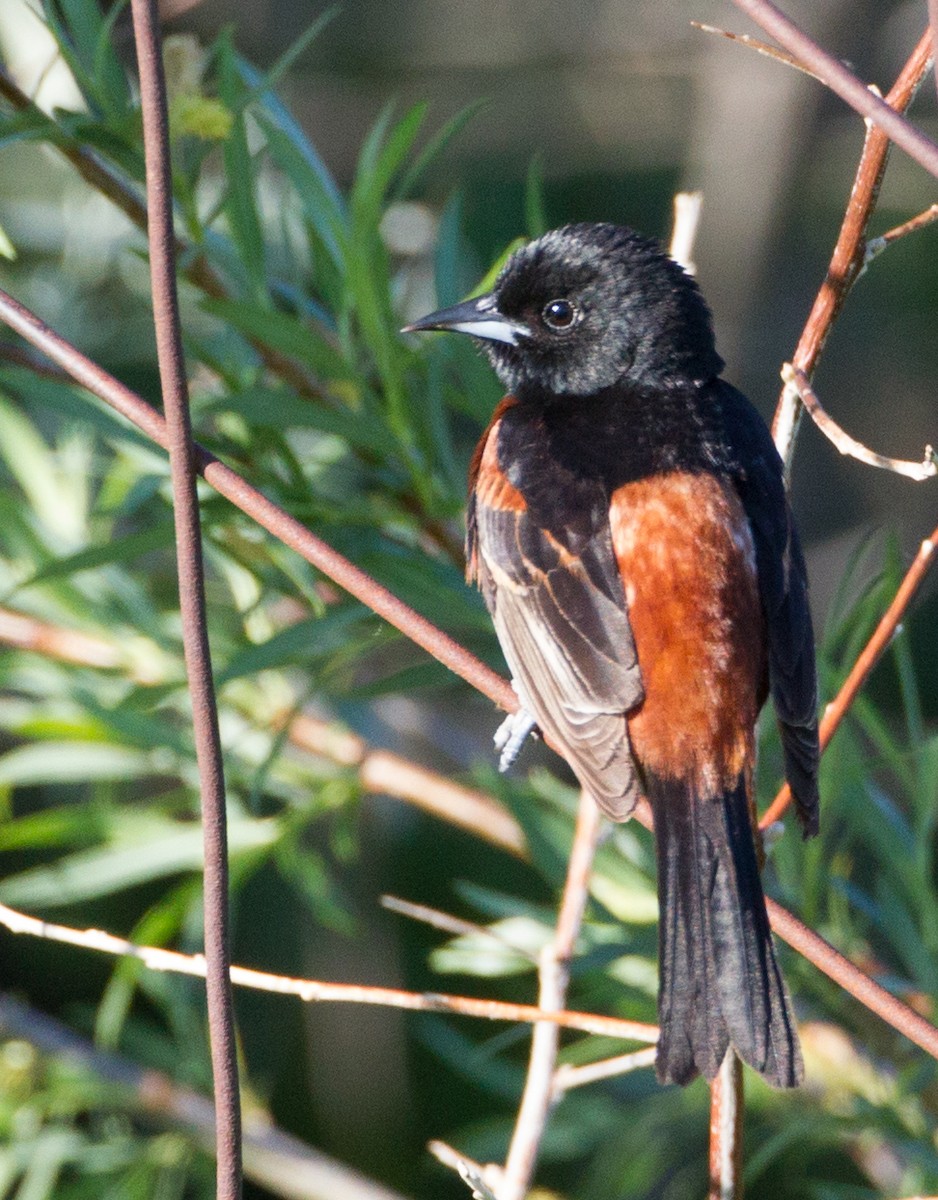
pixel 843 82
pixel 867 659
pixel 849 256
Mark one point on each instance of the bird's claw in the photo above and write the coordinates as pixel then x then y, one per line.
pixel 510 737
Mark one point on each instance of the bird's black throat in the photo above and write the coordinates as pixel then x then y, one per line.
pixel 569 454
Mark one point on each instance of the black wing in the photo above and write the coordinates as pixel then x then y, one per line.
pixel 563 626
pixel 783 588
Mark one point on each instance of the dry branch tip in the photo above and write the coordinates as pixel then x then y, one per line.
pixel 760 47
pixel 797 380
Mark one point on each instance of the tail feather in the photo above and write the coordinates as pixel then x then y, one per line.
pixel 719 981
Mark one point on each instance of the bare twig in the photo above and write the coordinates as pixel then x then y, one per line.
pixel 743 39
pixel 155 958
pixel 276 1161
pixel 850 251
pixel 843 82
pixel 568 1076
pixel 866 661
pixel 875 246
pixel 919 471
pixel 687 208
pixel 191 597
pixel 726 1130
pixel 447 923
pixel 554 975
pixel 823 955
pixel 478 1178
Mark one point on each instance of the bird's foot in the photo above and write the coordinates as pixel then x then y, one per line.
pixel 510 737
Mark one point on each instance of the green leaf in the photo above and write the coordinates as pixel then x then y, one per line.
pixel 7 249
pixel 72 762
pixel 262 85
pixel 123 550
pixel 314 187
pixel 283 332
pixel 279 408
pixel 305 642
pixel 142 849
pixel 449 255
pixel 31 462
pixel 379 162
pixel 84 37
pixel 440 140
pixel 240 174
pixel 509 947
pixel 53 827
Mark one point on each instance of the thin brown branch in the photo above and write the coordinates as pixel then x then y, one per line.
pixel 191 598
pixel 823 955
pixel 849 253
pixel 875 246
pixel 726 1130
pixel 843 82
pixel 918 471
pixel 276 1161
pixel 155 958
pixel 447 923
pixel 866 661
pixel 554 976
pixel 567 1076
pixel 764 48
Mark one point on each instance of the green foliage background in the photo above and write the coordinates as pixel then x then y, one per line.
pixel 365 437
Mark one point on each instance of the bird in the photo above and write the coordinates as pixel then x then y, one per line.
pixel 629 527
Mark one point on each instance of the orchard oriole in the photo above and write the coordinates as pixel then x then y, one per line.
pixel 629 528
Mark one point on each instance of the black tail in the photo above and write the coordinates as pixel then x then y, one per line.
pixel 719 982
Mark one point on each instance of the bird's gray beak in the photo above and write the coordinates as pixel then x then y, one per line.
pixel 479 317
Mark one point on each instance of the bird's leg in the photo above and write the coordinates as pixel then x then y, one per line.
pixel 511 734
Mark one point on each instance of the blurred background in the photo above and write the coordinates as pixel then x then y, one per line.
pixel 614 105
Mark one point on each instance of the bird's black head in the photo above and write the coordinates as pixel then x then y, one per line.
pixel 585 307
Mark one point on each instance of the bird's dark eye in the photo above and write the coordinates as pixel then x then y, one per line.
pixel 559 314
